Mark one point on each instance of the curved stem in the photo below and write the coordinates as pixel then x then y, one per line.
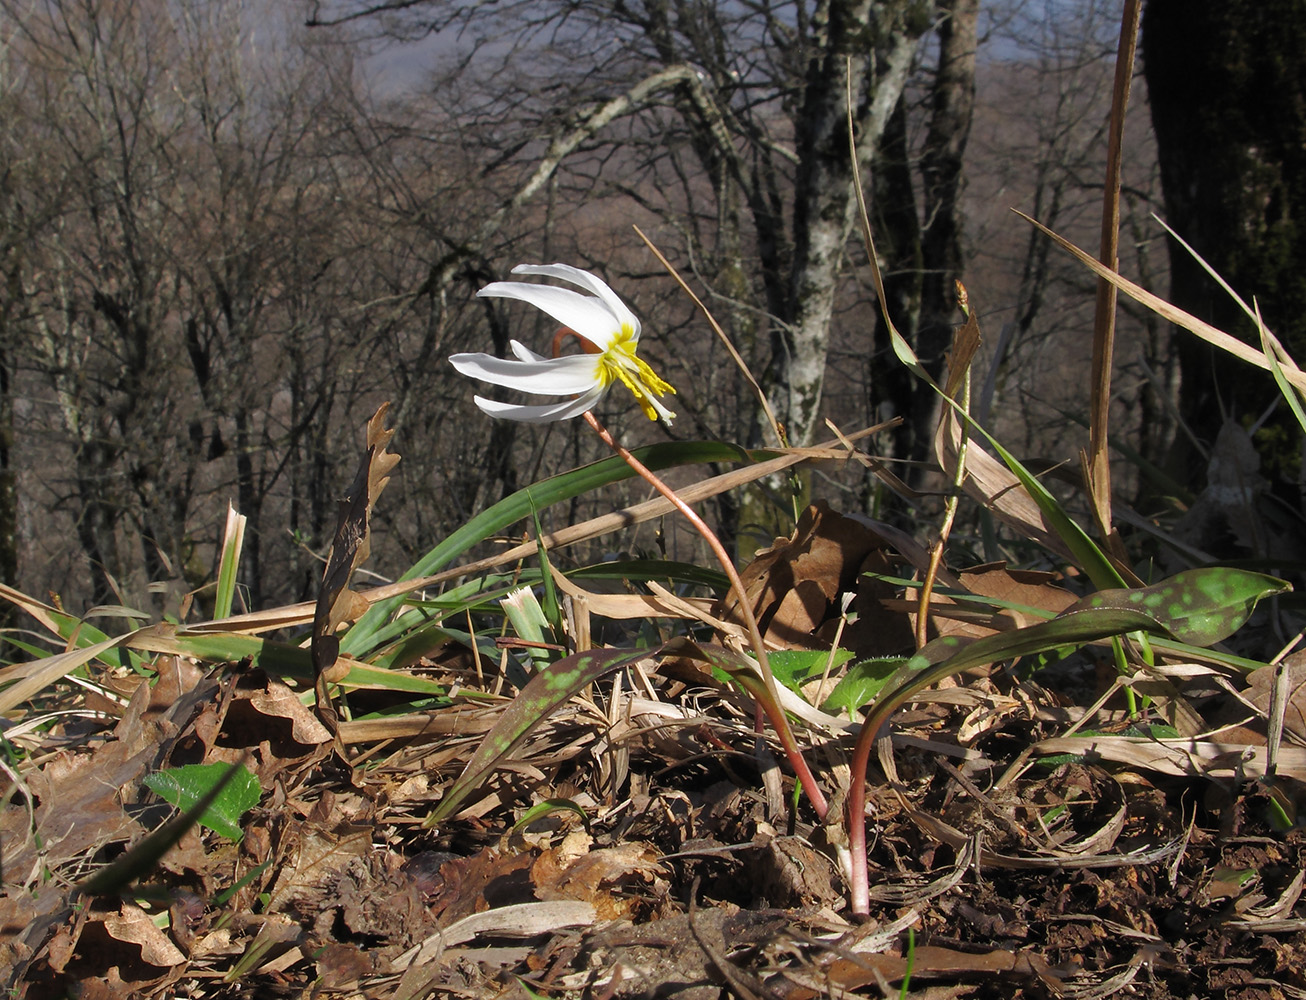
pixel 773 710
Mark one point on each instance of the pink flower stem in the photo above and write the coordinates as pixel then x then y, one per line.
pixel 773 709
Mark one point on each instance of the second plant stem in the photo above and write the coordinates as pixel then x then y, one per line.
pixel 773 710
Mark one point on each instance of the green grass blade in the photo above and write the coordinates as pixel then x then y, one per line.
pixel 360 640
pixel 278 658
pixel 233 541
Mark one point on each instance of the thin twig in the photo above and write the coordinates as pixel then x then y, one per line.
pixel 780 435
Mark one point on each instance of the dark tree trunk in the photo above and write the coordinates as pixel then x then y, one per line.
pixel 941 181
pixel 1228 92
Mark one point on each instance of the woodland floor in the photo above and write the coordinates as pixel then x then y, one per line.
pixel 1018 872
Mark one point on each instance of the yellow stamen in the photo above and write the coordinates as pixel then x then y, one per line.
pixel 620 363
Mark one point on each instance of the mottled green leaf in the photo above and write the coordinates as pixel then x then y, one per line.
pixel 1199 606
pixel 185 786
pixel 548 689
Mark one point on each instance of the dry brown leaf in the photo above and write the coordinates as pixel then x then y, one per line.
pixel 1189 757
pixel 795 584
pixel 318 856
pixel 1260 684
pixel 336 603
pixel 263 711
pixel 132 925
pixel 593 877
pixel 1019 586
pixel 927 962
pixel 991 483
pixel 483 881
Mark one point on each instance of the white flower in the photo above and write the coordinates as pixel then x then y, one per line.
pixel 608 331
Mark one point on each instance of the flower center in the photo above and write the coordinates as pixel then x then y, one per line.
pixel 619 363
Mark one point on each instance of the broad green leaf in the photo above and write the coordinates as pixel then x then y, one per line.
pixel 185 786
pixel 864 680
pixel 548 689
pixel 144 856
pixel 1199 606
pixel 795 667
pixel 360 639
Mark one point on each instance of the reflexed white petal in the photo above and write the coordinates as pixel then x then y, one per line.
pixel 524 352
pixel 541 414
pixel 585 314
pixel 586 280
pixel 551 377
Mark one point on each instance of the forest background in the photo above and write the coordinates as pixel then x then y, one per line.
pixel 229 229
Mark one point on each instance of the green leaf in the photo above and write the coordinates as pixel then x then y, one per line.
pixel 359 640
pixel 548 807
pixel 233 540
pixel 551 606
pixel 143 856
pixel 280 658
pixel 1198 606
pixel 1089 556
pixel 865 679
pixel 186 786
pixel 795 667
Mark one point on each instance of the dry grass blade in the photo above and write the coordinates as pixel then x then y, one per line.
pixel 1097 466
pixel 765 403
pixel 300 614
pixel 1189 757
pixel 1214 337
pixel 518 920
pixel 35 677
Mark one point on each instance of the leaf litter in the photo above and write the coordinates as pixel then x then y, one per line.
pixel 637 838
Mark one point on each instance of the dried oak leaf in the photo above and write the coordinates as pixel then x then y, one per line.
pixel 265 710
pixel 1018 586
pixel 1260 685
pixel 487 879
pixel 795 584
pixel 605 878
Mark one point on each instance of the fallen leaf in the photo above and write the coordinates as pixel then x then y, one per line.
pixel 336 603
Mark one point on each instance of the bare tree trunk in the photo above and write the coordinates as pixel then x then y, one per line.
pixel 1228 93
pixel 824 201
pixel 941 172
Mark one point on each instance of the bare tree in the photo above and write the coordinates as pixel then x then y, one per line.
pixel 187 298
pixel 751 101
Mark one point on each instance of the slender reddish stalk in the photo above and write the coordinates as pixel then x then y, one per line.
pixel 774 712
